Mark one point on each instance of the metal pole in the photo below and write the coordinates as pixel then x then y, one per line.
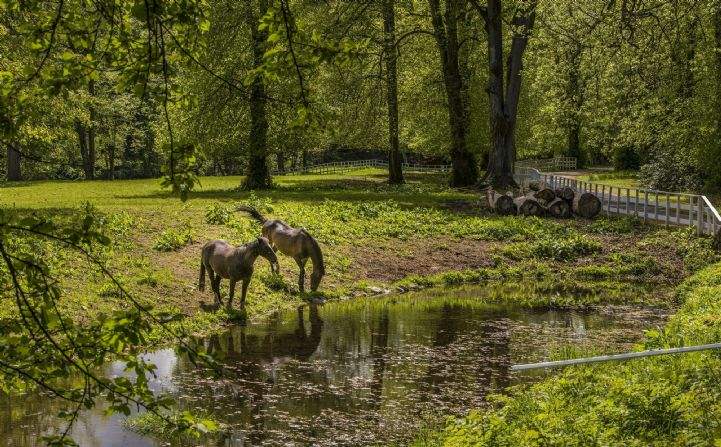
pixel 607 358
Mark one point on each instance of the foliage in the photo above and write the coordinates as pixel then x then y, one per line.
pixel 666 400
pixel 173 239
pixel 44 346
pixel 217 214
pixel 183 424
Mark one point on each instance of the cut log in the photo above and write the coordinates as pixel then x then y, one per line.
pixel 586 205
pixel 565 193
pixel 528 206
pixel 503 204
pixel 559 208
pixel 536 185
pixel 545 195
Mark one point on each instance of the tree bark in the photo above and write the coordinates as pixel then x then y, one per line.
pixel 464 168
pixel 714 153
pixel 86 138
pixel 280 160
pixel 575 100
pixel 90 166
pixel 257 173
pixel 504 102
pixel 14 172
pixel 395 166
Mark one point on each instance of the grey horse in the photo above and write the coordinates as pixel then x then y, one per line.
pixel 223 260
pixel 293 242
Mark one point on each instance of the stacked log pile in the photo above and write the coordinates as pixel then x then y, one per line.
pixel 543 201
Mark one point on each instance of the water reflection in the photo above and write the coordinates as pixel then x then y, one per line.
pixel 353 373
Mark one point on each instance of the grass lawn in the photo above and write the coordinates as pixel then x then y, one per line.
pixel 372 234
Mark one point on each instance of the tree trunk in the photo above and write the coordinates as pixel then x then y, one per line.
pixel 14 173
pixel 90 165
pixel 82 133
pixel 464 168
pixel 714 152
pixel 395 167
pixel 504 104
pixel 280 160
pixel 575 99
pixel 257 174
pixel 86 138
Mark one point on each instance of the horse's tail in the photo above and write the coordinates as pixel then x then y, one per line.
pixel 254 213
pixel 201 280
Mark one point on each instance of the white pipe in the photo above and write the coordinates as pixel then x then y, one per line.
pixel 607 358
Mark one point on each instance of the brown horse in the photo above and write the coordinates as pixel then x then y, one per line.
pixel 222 260
pixel 293 242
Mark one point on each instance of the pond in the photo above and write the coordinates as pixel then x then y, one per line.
pixel 358 372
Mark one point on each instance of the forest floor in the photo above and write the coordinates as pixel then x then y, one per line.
pixel 375 238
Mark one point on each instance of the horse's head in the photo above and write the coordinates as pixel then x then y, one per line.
pixel 315 278
pixel 266 251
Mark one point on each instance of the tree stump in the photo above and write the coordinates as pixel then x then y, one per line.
pixel 528 206
pixel 559 208
pixel 586 205
pixel 566 193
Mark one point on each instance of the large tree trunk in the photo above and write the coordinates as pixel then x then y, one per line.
pixel 575 99
pixel 464 168
pixel 395 166
pixel 90 165
pixel 714 153
pixel 504 104
pixel 257 174
pixel 86 139
pixel 13 164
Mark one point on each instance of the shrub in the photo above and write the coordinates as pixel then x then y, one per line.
pixel 217 214
pixel 565 249
pixel 174 239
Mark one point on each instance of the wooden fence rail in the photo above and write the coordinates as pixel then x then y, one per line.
pixel 668 208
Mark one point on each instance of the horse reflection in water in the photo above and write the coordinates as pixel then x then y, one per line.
pixel 252 363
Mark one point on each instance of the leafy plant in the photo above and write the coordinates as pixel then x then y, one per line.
pixel 174 239
pixel 565 249
pixel 217 214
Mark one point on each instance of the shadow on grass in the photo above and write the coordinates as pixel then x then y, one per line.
pixel 421 189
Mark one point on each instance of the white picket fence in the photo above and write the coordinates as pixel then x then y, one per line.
pixel 345 166
pixel 669 208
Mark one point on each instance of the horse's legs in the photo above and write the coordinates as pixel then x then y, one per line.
pixel 214 283
pixel 243 291
pixel 301 279
pixel 231 293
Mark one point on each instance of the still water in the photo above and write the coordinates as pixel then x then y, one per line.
pixel 362 372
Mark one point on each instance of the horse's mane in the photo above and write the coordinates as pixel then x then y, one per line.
pixel 315 254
